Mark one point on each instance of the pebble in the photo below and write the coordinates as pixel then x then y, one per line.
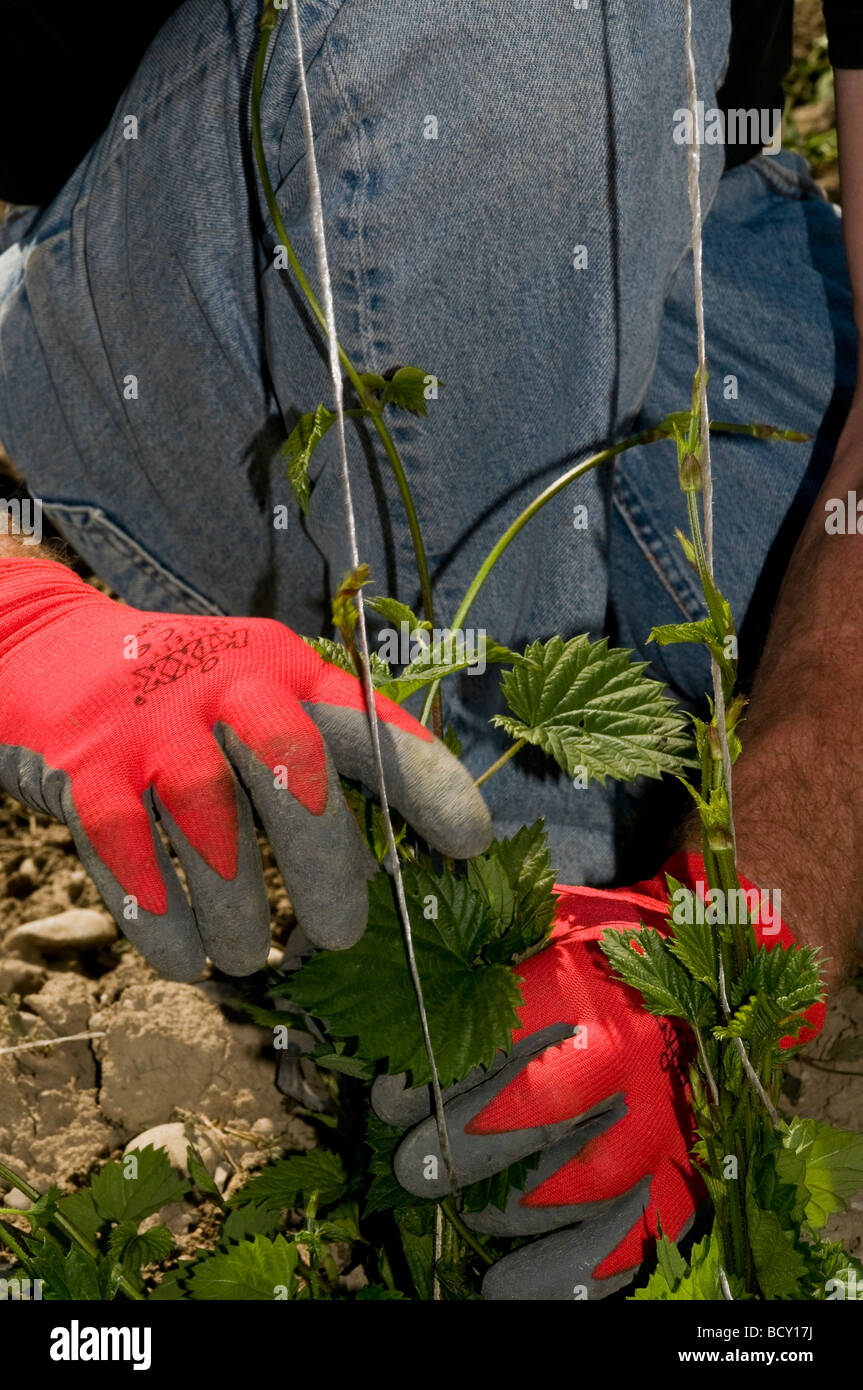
pixel 16 1198
pixel 78 929
pixel 173 1139
pixel 20 976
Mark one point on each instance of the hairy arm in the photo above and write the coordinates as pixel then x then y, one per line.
pixel 798 787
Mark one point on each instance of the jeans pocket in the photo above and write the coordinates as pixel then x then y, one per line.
pixel 137 576
pixel 787 173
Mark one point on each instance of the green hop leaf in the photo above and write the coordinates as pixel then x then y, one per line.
pixel 132 1250
pixel 471 1006
pixel 589 706
pixel 299 446
pixel 515 878
pixel 156 1184
pixel 779 1264
pixel 676 1280
pixel 834 1166
pixel 406 389
pixel 293 1180
pixel 397 613
pixel 641 958
pixel 259 1269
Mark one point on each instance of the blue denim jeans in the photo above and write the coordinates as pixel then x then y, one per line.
pixel 507 209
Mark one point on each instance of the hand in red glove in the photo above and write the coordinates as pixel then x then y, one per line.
pixel 594 1082
pixel 110 717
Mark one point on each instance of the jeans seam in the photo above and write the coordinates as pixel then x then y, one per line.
pixel 655 552
pixel 132 552
pixel 365 329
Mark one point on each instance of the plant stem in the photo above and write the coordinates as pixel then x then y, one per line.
pixel 495 767
pixel 17 1250
pixel 374 414
pixel 577 471
pixel 464 1231
pixel 66 1226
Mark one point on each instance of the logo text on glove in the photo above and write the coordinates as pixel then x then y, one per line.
pixel 180 651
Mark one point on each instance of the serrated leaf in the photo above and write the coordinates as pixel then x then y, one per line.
pixel 406 389
pixel 397 613
pixel 755 1021
pixel 691 942
pixel 80 1209
pixel 290 1181
pixel 299 447
pixel 831 1264
pixel 461 915
pixel 342 1224
pixel 446 656
pixel 834 1166
pixel 701 631
pixel 244 1222
pixel 471 1009
pixel 337 654
pixel 589 706
pixel 667 989
pixel 792 977
pixel 385 1193
pixel 73 1275
pixel 157 1184
pixel 415 1230
pixel 779 1265
pixel 133 1250
pixel 515 877
pixel 670 1261
pixel 256 1270
pixel 346 1066
pixel 697 1281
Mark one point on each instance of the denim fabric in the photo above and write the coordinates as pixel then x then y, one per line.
pixel 554 131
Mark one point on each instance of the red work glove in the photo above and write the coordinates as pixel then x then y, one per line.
pixel 594 1082
pixel 110 716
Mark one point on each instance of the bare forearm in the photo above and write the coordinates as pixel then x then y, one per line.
pixel 798 789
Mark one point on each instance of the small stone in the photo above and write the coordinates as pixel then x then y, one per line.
pixel 20 976
pixel 175 1141
pixel 264 1127
pixel 78 929
pixel 274 957
pixel 222 1176
pixel 17 1199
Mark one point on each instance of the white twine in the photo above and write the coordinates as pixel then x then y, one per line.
pixel 317 208
pixel 694 173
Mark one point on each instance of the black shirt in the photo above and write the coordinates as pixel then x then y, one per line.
pixel 65 66
pixel 760 54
